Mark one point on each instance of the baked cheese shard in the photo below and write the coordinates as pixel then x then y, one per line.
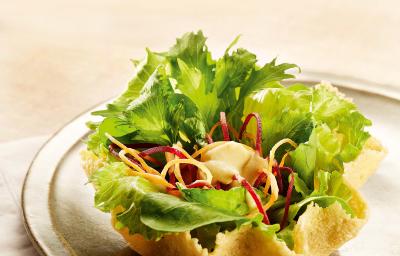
pixel 358 171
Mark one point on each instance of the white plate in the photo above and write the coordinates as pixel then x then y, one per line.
pixel 61 220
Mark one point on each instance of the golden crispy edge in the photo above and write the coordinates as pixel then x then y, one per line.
pixel 169 245
pixel 320 231
pixel 358 171
pixel 248 241
pixel 245 241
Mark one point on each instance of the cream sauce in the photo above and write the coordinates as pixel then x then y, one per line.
pixel 231 158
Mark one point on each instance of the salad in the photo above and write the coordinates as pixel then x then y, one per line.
pixel 205 156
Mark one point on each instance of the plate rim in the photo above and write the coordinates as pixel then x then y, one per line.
pixel 312 77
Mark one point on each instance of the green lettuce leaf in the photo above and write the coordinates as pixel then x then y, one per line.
pixel 114 189
pixel 144 119
pixel 330 189
pixel 143 73
pixel 300 186
pixel 232 71
pixel 284 113
pixel 207 234
pixel 321 152
pixel 286 235
pixel 193 82
pixel 332 183
pixel 148 211
pixel 177 95
pixel 168 213
pixel 159 116
pixel 232 201
pixel 260 78
pixel 342 116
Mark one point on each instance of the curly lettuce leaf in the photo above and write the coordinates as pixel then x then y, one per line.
pixel 232 71
pixel 144 118
pixel 284 114
pixel 328 128
pixel 158 116
pixel 270 72
pixel 177 95
pixel 194 83
pixel 144 70
pixel 341 115
pixel 321 152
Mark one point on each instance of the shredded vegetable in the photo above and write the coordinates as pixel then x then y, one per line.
pixel 200 165
pixel 271 181
pixel 168 149
pixel 282 163
pixel 133 153
pixel 199 184
pixel 272 155
pixel 176 155
pixel 288 197
pixel 276 169
pixel 224 126
pixel 253 194
pixel 259 130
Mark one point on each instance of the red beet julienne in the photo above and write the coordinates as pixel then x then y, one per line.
pixel 225 130
pixel 259 130
pixel 288 196
pixel 277 170
pixel 224 126
pixel 162 149
pixel 113 150
pixel 262 177
pixel 253 194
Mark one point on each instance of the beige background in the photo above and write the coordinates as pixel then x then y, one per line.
pixel 60 57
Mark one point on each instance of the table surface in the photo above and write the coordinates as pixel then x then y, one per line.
pixel 61 57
